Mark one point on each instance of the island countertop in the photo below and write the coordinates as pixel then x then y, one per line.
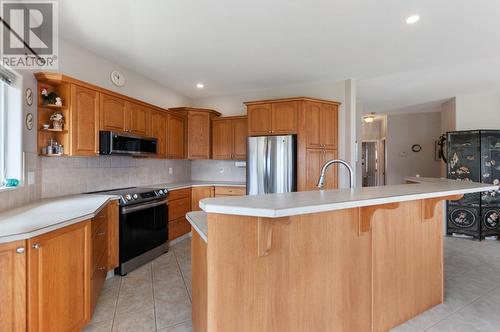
pixel 298 203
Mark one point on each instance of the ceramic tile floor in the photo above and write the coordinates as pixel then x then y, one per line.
pixel 157 296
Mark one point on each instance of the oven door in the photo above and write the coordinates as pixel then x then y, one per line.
pixel 143 227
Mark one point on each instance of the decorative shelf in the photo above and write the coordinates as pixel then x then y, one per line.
pixel 52 106
pixel 53 155
pixel 51 130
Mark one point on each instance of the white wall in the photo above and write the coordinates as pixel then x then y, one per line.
pixel 404 130
pixel 478 111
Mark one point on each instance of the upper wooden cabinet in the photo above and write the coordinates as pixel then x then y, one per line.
pixel 84 121
pixel 320 120
pixel 176 136
pixel 13 286
pixel 139 119
pixel 55 258
pixel 112 113
pixel 272 117
pixel 159 131
pixel 199 131
pixel 229 138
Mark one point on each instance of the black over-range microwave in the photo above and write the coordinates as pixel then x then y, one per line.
pixel 126 144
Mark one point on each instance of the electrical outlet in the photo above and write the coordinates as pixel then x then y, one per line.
pixel 221 170
pixel 170 171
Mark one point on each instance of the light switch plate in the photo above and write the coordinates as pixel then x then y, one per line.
pixel 31 178
pixel 240 163
pixel 170 171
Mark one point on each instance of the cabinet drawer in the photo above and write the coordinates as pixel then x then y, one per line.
pixel 178 228
pixel 99 243
pixel 97 281
pixel 179 193
pixel 178 208
pixel 230 191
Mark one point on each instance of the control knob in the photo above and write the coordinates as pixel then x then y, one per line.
pixel 128 197
pixel 135 196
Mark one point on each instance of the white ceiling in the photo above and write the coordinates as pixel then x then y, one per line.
pixel 237 45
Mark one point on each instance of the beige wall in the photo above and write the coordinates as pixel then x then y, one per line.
pixel 478 111
pixel 404 130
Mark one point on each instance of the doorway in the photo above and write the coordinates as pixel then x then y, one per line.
pixel 373 163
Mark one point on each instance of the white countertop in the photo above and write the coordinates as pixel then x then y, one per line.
pixel 297 203
pixel 189 184
pixel 420 179
pixel 198 219
pixel 50 214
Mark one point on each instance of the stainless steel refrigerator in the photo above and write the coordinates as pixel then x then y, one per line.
pixel 271 164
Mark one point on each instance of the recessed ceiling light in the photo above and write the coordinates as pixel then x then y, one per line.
pixel 413 19
pixel 200 85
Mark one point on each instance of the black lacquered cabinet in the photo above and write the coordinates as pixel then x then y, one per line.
pixel 474 156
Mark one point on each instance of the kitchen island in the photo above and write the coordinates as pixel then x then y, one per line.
pixel 364 259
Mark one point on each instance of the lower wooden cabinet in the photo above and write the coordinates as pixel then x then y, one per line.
pixel 199 193
pixel 199 284
pixel 59 279
pixel 52 282
pixel 179 203
pixel 13 286
pixel 230 191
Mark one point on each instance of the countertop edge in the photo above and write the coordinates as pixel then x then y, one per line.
pixel 278 213
pixel 190 218
pixel 56 226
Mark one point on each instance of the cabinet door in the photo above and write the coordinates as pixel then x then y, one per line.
pixel 59 279
pixel 240 133
pixel 284 117
pixel 13 287
pixel 198 135
pixel 175 137
pixel 113 113
pixel 259 119
pixel 139 119
pixel 331 175
pixel 313 123
pixel 159 131
pixel 328 126
pixel 222 139
pixel 84 121
pixel 314 162
pixel 199 193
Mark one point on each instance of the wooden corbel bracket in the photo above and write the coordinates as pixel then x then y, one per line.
pixel 429 205
pixel 365 215
pixel 265 233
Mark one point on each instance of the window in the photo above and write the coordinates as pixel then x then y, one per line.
pixel 11 126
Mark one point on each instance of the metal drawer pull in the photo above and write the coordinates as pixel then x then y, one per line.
pixel 101 268
pixel 20 250
pixel 36 246
pixel 101 233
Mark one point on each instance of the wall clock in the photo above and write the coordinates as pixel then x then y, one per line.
pixel 29 121
pixel 416 147
pixel 28 95
pixel 117 78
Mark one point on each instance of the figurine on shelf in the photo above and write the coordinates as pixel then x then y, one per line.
pixel 57 120
pixel 49 98
pixel 58 102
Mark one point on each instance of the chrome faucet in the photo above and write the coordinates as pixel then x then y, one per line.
pixel 321 181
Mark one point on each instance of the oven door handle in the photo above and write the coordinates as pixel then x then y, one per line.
pixel 128 209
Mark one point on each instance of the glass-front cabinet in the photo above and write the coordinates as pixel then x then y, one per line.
pixel 474 156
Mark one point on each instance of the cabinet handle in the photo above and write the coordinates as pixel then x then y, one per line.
pixel 36 246
pixel 101 233
pixel 101 268
pixel 20 250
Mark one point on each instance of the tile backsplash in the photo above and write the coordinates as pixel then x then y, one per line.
pixel 64 176
pixel 218 170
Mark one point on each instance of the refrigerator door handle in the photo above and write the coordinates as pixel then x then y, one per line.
pixel 267 167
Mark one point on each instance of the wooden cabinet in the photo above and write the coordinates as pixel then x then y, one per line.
pixel 272 117
pixel 159 131
pixel 320 120
pixel 84 121
pixel 112 113
pixel 198 131
pixel 138 119
pixel 175 136
pixel 199 283
pixel 229 138
pixel 230 191
pixel 315 159
pixel 13 286
pixel 198 193
pixel 59 279
pixel 179 203
pixel 259 119
pixel 99 243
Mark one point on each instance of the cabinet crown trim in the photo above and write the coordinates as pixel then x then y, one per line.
pixel 281 100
